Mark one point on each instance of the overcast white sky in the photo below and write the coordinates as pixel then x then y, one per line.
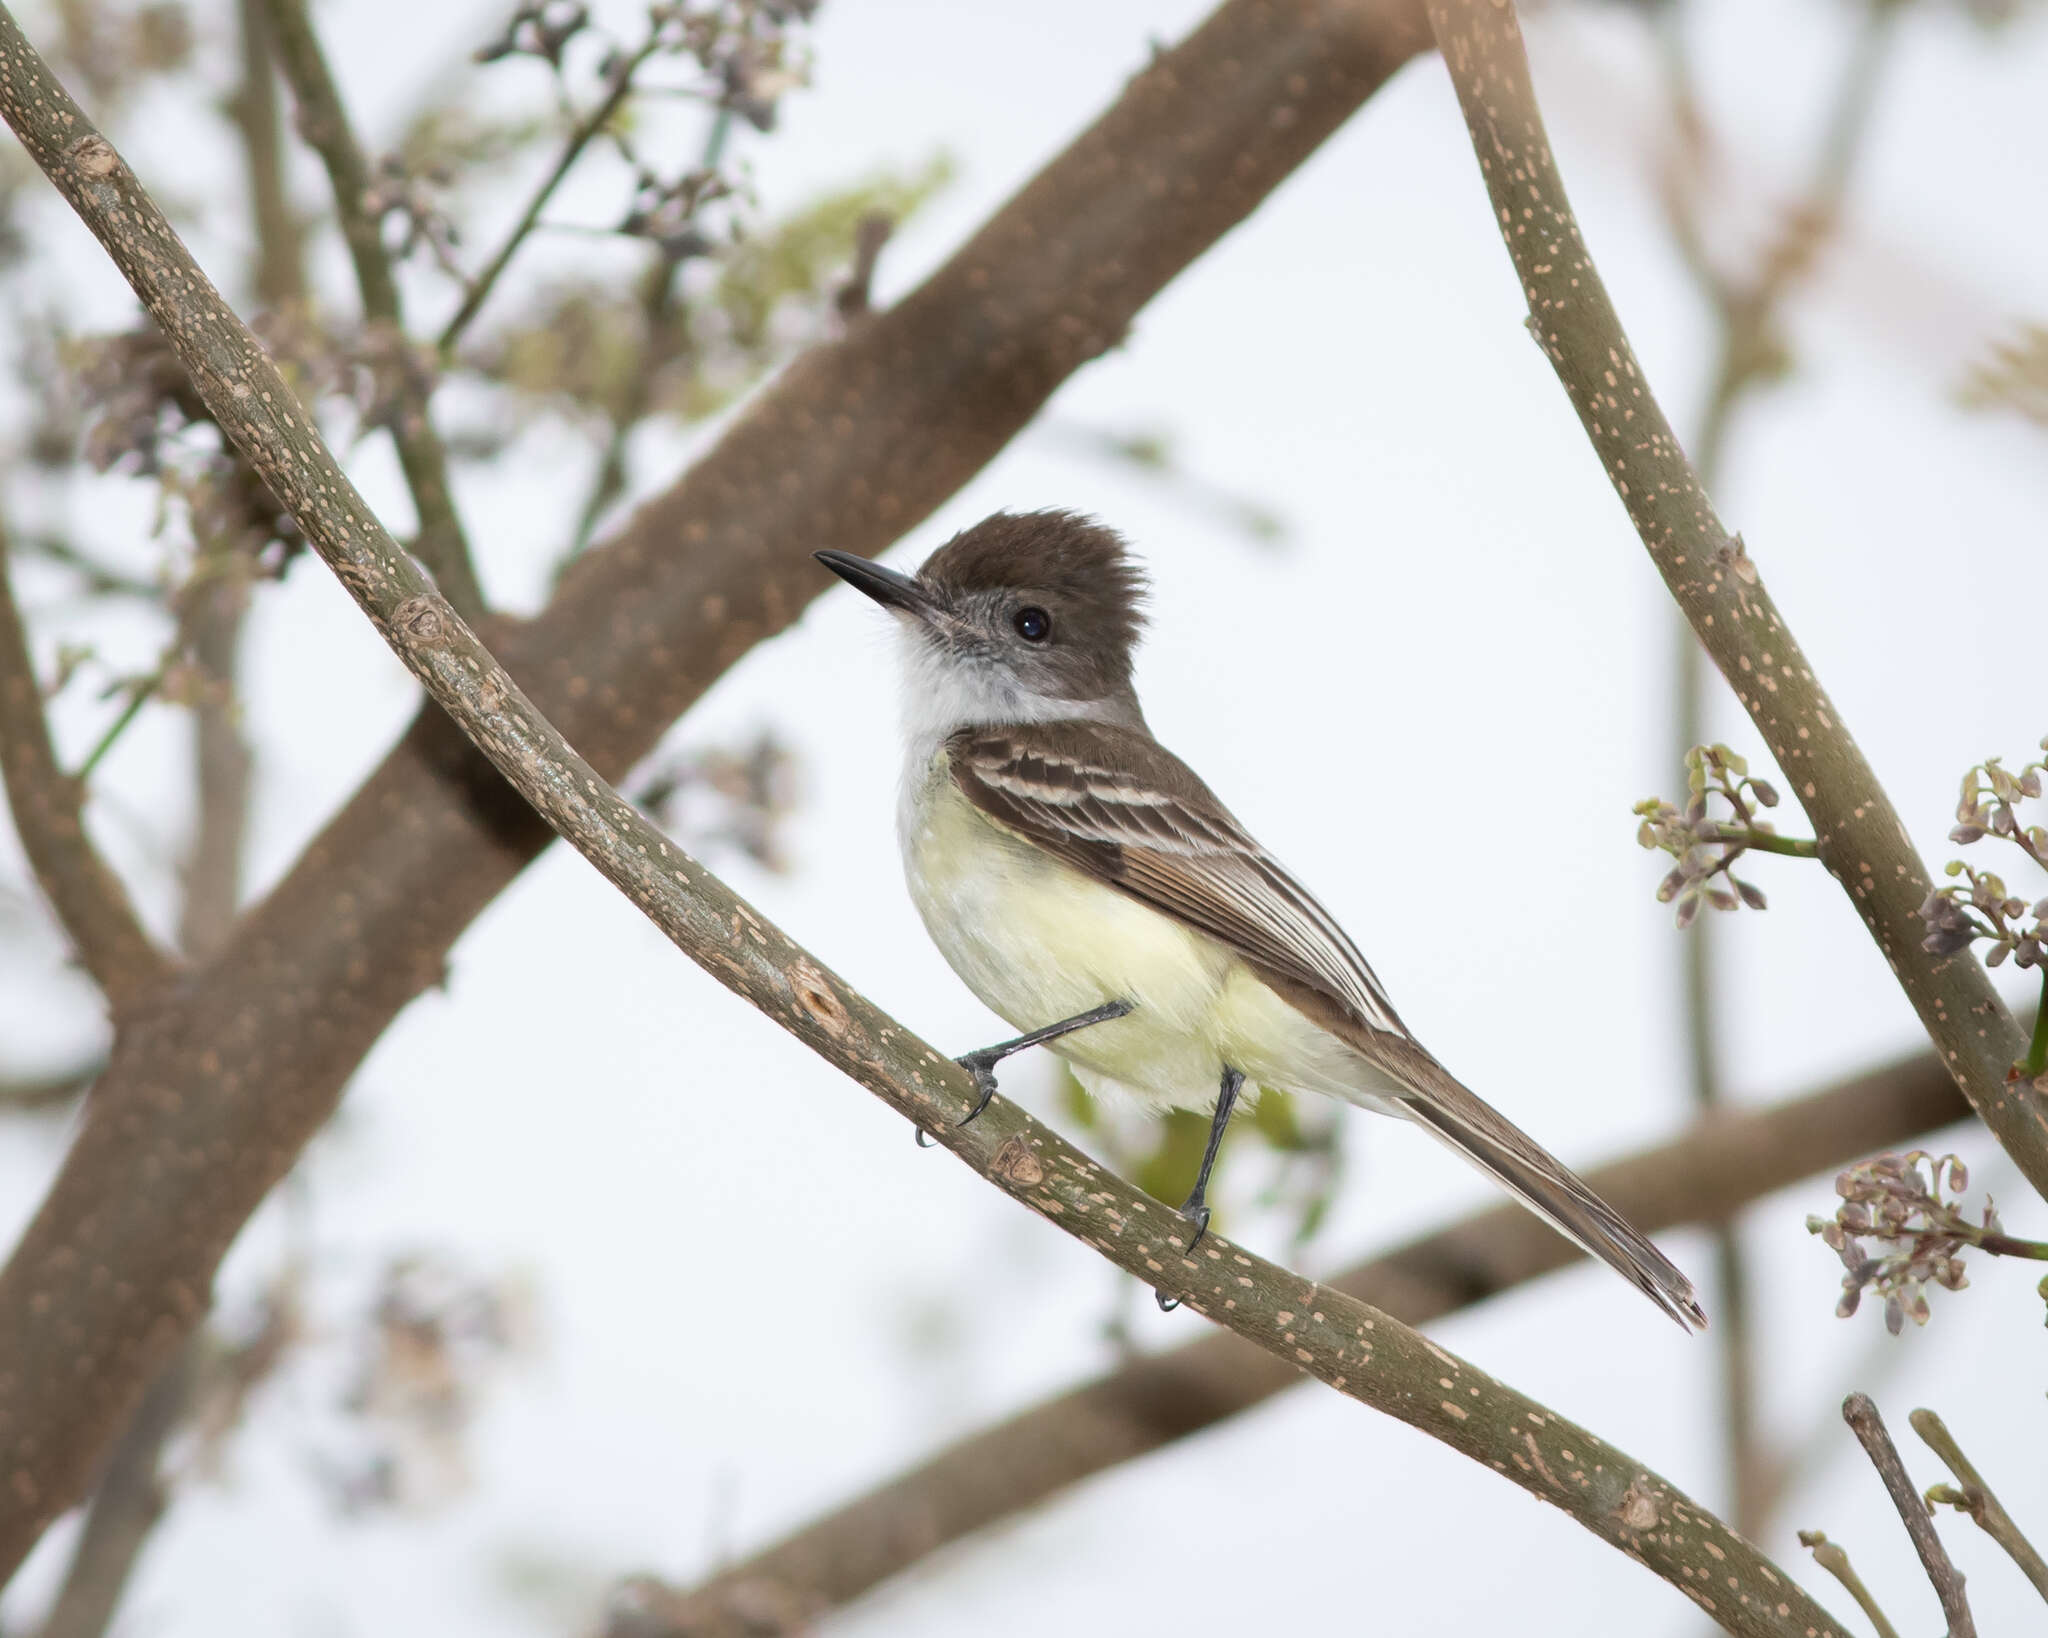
pixel 736 1253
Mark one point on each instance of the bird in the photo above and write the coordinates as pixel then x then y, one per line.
pixel 1092 891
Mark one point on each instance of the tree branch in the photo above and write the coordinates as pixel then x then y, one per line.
pixel 1977 1499
pixel 212 1101
pixel 323 121
pixel 1863 843
pixel 49 813
pixel 280 274
pixel 1861 1415
pixel 1727 1160
pixel 1363 1353
pixel 1834 1559
pixel 621 72
pixel 127 1502
pixel 213 864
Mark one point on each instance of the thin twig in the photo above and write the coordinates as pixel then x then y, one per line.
pixel 658 287
pixel 855 298
pixel 1364 1354
pixel 1727 1160
pixel 1835 1560
pixel 1861 1415
pixel 280 272
pixel 660 284
pixel 49 813
pixel 622 72
pixel 1862 841
pixel 212 873
pixel 1977 1499
pixel 324 123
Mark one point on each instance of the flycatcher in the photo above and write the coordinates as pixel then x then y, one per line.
pixel 1091 889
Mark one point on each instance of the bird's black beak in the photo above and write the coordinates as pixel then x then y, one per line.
pixel 885 586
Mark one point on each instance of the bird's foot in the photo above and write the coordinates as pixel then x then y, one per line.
pixel 1196 1213
pixel 981 1065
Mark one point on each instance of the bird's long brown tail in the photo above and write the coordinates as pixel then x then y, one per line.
pixel 1436 1100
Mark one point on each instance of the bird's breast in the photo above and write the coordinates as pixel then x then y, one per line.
pixel 1039 940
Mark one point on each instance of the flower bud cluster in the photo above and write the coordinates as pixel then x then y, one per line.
pixel 1702 844
pixel 1977 904
pixel 1897 1200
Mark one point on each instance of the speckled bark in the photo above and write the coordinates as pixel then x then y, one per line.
pixel 1354 1348
pixel 1862 841
pixel 209 1101
pixel 1729 1159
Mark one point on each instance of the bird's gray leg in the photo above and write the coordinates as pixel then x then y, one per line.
pixel 982 1064
pixel 1196 1207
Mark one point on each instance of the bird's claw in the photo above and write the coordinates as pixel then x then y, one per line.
pixel 981 1065
pixel 1199 1216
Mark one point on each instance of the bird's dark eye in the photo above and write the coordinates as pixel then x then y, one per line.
pixel 1034 625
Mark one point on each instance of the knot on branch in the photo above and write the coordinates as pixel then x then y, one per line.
pixel 93 157
pixel 815 993
pixel 424 619
pixel 1017 1164
pixel 1639 1510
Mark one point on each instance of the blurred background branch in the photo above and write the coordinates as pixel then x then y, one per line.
pixel 1753 353
pixel 1729 1158
pixel 324 123
pixel 49 814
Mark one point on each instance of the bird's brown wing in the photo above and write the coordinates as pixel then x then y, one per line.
pixel 1113 803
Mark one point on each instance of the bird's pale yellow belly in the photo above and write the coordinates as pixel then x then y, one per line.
pixel 1038 941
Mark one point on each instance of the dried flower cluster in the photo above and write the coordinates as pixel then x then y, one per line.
pixel 746 49
pixel 1897 1200
pixel 669 214
pixel 2014 377
pixel 1705 847
pixel 434 1341
pixel 720 796
pixel 407 205
pixel 537 28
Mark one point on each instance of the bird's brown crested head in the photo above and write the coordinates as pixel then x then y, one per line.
pixel 1027 616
